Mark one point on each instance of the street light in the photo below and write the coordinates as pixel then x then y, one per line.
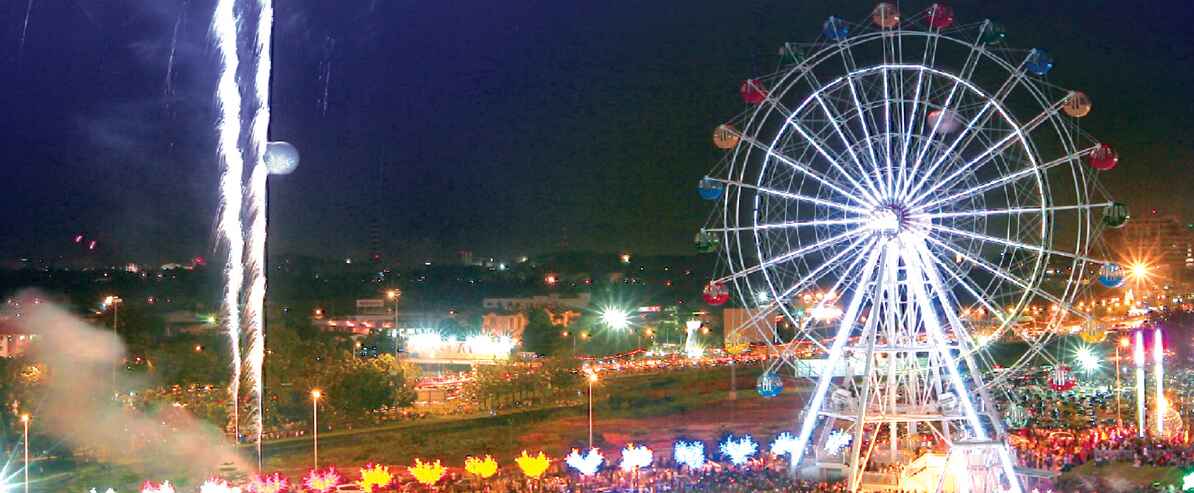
pixel 592 380
pixel 1086 359
pixel 395 294
pixel 615 318
pixel 25 421
pixel 315 396
pixel 114 302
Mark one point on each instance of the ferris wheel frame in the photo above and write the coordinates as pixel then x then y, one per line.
pixel 878 217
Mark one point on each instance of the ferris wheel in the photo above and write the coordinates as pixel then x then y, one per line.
pixel 898 195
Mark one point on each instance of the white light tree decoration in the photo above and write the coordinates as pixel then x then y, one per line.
pixel 921 173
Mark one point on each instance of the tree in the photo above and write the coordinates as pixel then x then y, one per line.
pixel 540 336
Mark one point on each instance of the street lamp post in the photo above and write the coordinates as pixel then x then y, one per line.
pixel 25 421
pixel 592 379
pixel 1119 418
pixel 395 294
pixel 114 302
pixel 315 395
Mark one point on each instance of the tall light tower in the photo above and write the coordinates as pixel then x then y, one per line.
pixel 1138 359
pixel 1159 376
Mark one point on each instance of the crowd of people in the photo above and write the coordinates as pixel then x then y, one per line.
pixel 1060 451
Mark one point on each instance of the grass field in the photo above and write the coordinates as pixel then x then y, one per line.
pixel 650 409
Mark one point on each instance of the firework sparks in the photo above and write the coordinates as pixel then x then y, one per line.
pixel 224 25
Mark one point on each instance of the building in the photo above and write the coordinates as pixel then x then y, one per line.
pixel 1162 241
pixel 14 339
pixel 371 314
pixel 498 324
pixel 554 300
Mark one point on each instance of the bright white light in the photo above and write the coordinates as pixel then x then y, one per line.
pixel 739 449
pixel 634 458
pixel 884 221
pixel 615 318
pixel 224 25
pixel 586 464
pixel 1087 359
pixel 425 342
pixel 824 313
pixel 762 296
pixel 694 350
pixel 837 441
pixel 784 444
pixel 691 454
pixel 218 486
pixel 489 345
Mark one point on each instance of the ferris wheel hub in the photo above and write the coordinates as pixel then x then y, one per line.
pixel 889 220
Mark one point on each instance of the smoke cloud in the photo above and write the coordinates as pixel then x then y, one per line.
pixel 76 405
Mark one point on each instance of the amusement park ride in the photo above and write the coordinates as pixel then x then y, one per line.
pixel 920 170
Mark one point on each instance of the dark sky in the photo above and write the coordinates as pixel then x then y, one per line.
pixel 496 126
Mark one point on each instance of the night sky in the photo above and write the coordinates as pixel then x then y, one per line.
pixel 502 127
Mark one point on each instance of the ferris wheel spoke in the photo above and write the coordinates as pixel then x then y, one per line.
pixel 836 350
pixel 792 196
pixel 980 119
pixel 910 126
pixel 990 152
pixel 917 279
pixel 962 337
pixel 924 147
pixel 788 225
pixel 1040 250
pixel 805 250
pixel 804 169
pixel 970 288
pixel 1002 274
pixel 839 286
pixel 811 278
pixel 1007 179
pixel 837 128
pixel 1010 211
pixel 863 115
pixel 817 144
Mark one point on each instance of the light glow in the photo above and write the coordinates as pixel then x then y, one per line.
pixel 587 464
pixel 739 449
pixel 615 318
pixel 374 477
pixel 322 481
pixel 224 25
pixel 837 441
pixel 482 468
pixel 636 457
pixel 165 487
pixel 1086 359
pixel 427 473
pixel 532 466
pixel 217 486
pixel 691 454
pixel 258 140
pixel 784 444
pixel 1159 377
pixel 1138 360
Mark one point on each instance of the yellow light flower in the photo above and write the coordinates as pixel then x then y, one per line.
pixel 533 466
pixel 427 473
pixel 482 468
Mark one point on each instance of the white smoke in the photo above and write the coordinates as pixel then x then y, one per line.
pixel 76 405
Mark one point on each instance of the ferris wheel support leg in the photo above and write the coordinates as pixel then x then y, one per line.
pixel 834 357
pixel 916 259
pixel 951 315
pixel 864 398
